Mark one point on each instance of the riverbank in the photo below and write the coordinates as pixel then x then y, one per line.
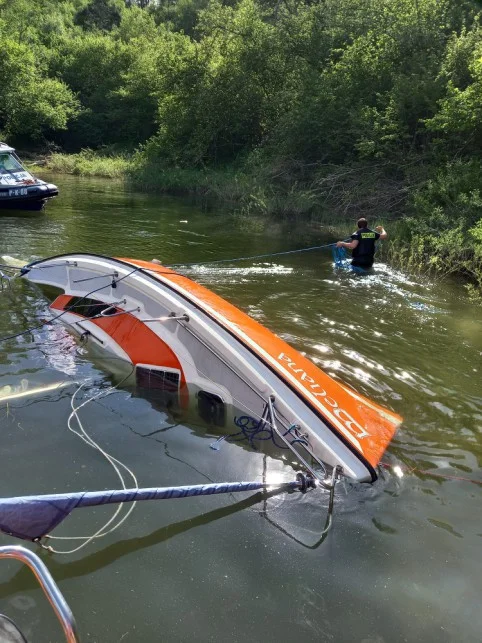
pixel 88 163
pixel 425 238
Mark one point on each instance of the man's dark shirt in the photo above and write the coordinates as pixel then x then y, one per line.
pixel 363 254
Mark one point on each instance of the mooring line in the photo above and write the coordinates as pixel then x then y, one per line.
pixel 270 254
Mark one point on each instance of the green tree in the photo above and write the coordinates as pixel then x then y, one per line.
pixel 32 106
pixel 457 123
pixel 101 15
pixel 93 65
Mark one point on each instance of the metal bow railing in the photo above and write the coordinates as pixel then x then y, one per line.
pixel 49 586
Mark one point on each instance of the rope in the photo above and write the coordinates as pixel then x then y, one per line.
pixel 116 464
pixel 198 263
pixel 172 265
pixel 251 430
pixel 270 254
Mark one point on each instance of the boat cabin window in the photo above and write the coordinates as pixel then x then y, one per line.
pixel 211 408
pixel 164 384
pixel 155 378
pixel 89 307
pixel 8 164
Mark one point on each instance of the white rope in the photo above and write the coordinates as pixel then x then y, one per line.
pixel 116 464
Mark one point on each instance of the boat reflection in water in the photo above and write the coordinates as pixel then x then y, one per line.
pixel 20 190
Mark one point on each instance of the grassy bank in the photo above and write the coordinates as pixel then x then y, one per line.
pixel 251 192
pixel 89 163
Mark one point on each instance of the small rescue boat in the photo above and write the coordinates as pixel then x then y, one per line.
pixel 19 189
pixel 198 350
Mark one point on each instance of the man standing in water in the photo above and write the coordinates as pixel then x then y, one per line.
pixel 362 244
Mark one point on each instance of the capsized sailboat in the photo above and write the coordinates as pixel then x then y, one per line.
pixel 198 350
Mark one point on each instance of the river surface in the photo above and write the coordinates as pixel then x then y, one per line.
pixel 403 561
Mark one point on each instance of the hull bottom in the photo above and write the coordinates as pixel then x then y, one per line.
pixel 31 206
pixel 28 207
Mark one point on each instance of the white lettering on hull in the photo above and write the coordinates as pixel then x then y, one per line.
pixel 328 403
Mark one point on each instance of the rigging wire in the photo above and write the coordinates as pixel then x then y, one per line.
pixel 66 310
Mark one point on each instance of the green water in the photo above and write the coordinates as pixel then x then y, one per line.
pixel 403 560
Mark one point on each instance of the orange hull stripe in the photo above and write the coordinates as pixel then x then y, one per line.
pixel 61 302
pixel 140 343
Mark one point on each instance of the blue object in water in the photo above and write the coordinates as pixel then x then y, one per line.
pixel 341 261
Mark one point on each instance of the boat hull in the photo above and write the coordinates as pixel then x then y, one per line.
pixel 196 348
pixel 20 190
pixel 29 197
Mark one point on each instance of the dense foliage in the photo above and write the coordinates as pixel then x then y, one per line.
pixel 354 107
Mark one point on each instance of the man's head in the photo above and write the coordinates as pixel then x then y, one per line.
pixel 362 223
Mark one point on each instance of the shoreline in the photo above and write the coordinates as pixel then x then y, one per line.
pixel 414 252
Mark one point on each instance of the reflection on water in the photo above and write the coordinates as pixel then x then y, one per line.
pixel 400 562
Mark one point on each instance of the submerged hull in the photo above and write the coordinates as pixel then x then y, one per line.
pixel 197 349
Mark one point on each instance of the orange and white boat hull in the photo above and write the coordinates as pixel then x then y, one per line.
pixel 186 340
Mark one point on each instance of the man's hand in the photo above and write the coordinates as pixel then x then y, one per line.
pixel 340 244
pixel 381 231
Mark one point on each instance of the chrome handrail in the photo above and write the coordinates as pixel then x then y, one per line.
pixel 49 586
pixel 170 317
pixel 325 482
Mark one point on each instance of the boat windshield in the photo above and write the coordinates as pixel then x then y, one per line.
pixel 9 164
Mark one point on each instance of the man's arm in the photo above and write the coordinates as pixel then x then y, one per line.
pixel 381 231
pixel 350 245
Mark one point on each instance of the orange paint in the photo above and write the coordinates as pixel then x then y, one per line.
pixel 61 302
pixel 140 343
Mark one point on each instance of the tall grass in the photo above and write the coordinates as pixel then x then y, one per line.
pixel 451 253
pixel 89 163
pixel 224 184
